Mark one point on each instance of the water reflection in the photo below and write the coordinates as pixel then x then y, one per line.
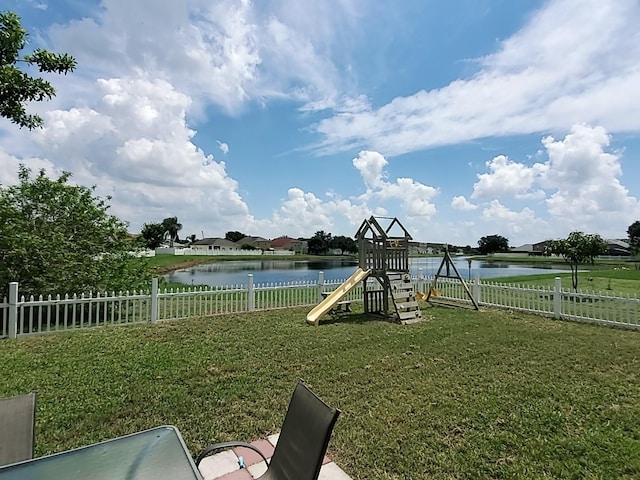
pixel 277 271
pixel 267 271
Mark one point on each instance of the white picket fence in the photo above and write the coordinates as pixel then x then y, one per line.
pixel 21 316
pixel 557 302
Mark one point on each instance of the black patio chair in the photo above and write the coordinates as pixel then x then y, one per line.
pixel 17 428
pixel 303 439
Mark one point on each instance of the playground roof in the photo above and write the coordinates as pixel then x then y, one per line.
pixel 373 225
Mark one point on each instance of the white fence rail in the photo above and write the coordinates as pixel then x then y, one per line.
pixel 558 302
pixel 24 316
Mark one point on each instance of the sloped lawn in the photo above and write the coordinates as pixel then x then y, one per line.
pixel 617 282
pixel 488 394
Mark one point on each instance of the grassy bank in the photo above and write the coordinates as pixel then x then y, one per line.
pixel 465 395
pixel 620 281
pixel 626 262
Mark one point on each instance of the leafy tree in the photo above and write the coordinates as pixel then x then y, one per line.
pixel 634 236
pixel 493 244
pixel 234 236
pixel 152 235
pixel 16 87
pixel 171 228
pixel 319 243
pixel 346 244
pixel 577 248
pixel 60 238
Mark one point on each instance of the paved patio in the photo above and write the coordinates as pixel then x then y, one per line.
pixel 225 465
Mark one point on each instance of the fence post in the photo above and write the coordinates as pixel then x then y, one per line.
pixel 154 299
pixel 13 310
pixel 476 289
pixel 557 298
pixel 320 285
pixel 251 294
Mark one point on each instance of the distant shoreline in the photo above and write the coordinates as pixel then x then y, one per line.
pixel 193 260
pixel 623 261
pixel 168 263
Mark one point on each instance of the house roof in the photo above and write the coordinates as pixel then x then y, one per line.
pixel 530 247
pixel 218 242
pixel 282 242
pixel 527 247
pixel 250 240
pixel 617 243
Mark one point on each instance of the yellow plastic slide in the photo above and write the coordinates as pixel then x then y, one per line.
pixel 313 317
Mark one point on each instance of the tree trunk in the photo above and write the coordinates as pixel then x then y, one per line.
pixel 574 277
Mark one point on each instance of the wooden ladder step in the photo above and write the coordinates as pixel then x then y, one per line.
pixel 411 305
pixel 403 294
pixel 409 315
pixel 409 321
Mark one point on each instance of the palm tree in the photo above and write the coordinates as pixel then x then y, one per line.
pixel 171 227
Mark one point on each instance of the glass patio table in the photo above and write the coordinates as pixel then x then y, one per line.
pixel 155 454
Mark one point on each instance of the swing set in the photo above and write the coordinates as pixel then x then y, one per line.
pixel 434 295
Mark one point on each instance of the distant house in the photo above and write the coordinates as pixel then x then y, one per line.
pixel 255 242
pixel 220 244
pixel 288 243
pixel 618 248
pixel 531 248
pixel 435 248
pixel 419 248
pixel 615 247
pixel 526 248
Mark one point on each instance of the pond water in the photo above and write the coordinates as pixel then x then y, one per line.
pixel 276 271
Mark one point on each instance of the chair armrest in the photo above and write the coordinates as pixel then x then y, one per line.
pixel 224 445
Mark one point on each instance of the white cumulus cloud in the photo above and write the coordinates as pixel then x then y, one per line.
pixel 580 183
pixel 134 144
pixel 511 223
pixel 224 147
pixel 416 199
pixel 459 202
pixel 506 178
pixel 586 179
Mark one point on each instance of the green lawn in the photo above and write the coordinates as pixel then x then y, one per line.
pixel 630 262
pixel 619 281
pixel 488 394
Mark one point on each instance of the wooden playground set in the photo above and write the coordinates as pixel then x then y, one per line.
pixel 383 270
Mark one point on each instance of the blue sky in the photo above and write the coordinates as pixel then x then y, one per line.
pixel 281 117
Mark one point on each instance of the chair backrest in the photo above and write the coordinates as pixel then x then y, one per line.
pixel 17 428
pixel 304 437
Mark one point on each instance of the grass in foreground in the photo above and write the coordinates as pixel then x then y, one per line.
pixel 467 394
